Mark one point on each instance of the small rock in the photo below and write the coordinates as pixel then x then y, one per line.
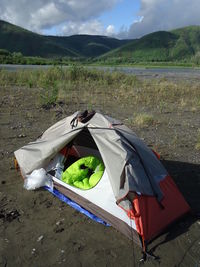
pixel 9 216
pixel 40 238
pixel 62 251
pixel 33 251
pixel 59 230
pixel 59 222
pixel 21 135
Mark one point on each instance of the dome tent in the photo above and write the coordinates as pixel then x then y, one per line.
pixel 135 195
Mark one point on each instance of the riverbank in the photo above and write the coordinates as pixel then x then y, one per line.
pixel 144 72
pixel 36 229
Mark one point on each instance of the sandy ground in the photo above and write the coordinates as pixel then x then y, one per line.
pixel 37 229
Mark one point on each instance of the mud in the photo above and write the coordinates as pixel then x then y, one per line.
pixel 36 229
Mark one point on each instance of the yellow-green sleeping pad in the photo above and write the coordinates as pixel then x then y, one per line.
pixel 85 173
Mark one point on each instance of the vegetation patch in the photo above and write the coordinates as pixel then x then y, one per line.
pixel 79 84
pixel 143 120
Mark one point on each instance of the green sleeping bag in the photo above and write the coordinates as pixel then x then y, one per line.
pixel 85 173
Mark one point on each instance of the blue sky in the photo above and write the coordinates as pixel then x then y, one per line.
pixel 120 16
pixel 116 18
pixel 123 13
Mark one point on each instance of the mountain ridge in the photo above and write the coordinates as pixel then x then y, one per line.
pixel 16 39
pixel 175 45
pixel 178 45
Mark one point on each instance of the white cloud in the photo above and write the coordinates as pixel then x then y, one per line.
pixel 38 15
pixel 93 27
pixel 81 16
pixel 44 16
pixel 110 30
pixel 163 15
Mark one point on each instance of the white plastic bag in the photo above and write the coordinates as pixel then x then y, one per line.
pixel 38 178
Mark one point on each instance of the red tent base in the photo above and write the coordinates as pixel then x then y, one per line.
pixel 151 217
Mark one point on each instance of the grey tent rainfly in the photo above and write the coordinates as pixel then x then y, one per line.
pixel 135 194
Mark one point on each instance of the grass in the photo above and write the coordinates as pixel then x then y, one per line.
pixel 142 120
pixel 100 89
pixel 144 105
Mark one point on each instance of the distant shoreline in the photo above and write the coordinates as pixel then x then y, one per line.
pixel 142 72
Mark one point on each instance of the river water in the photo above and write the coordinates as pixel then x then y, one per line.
pixel 168 73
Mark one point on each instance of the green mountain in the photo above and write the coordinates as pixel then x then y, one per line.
pixel 17 39
pixel 88 45
pixel 176 45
